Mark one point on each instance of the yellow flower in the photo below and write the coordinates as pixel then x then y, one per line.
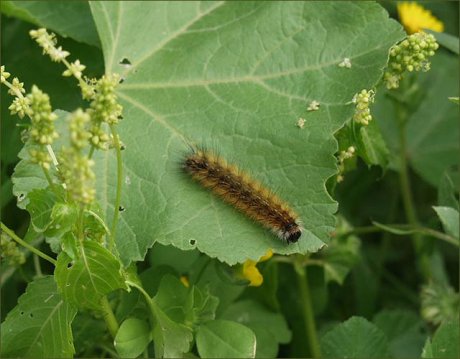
pixel 415 18
pixel 251 273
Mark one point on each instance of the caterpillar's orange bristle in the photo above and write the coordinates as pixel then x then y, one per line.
pixel 247 195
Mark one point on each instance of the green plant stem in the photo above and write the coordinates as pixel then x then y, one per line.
pixel 406 190
pixel 38 269
pixel 119 185
pixel 406 227
pixel 26 245
pixel 307 308
pixel 148 299
pixel 439 235
pixel 81 234
pixel 109 317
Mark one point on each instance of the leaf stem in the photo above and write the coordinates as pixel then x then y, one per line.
pixel 406 190
pixel 27 245
pixel 119 185
pixel 81 235
pixel 38 269
pixel 409 229
pixel 150 302
pixel 307 308
pixel 109 317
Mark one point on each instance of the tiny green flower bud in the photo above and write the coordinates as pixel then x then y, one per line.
pixel 40 157
pixel 362 112
pixel 75 70
pixel 79 136
pixel 413 54
pixel 41 116
pixel 3 74
pixel 16 87
pixel 76 173
pixel 10 251
pixel 58 54
pixel 19 106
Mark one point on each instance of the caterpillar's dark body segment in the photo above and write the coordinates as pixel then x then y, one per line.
pixel 244 193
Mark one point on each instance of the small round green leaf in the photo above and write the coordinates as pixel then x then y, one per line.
pixel 132 338
pixel 225 339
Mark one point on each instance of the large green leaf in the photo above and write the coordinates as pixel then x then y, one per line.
pixel 39 326
pixel 68 18
pixel 86 279
pixel 355 338
pixel 234 76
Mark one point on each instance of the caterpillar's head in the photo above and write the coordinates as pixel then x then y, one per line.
pixel 292 232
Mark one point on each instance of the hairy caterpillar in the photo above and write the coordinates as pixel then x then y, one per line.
pixel 244 193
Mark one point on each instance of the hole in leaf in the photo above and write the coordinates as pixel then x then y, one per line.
pixel 31 315
pixel 192 242
pixel 22 313
pixel 121 80
pixel 21 196
pixel 69 265
pixel 121 209
pixel 125 61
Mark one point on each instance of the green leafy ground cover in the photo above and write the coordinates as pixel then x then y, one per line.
pixel 373 274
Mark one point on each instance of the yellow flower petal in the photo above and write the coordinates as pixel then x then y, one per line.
pixel 415 18
pixel 251 273
pixel 267 256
